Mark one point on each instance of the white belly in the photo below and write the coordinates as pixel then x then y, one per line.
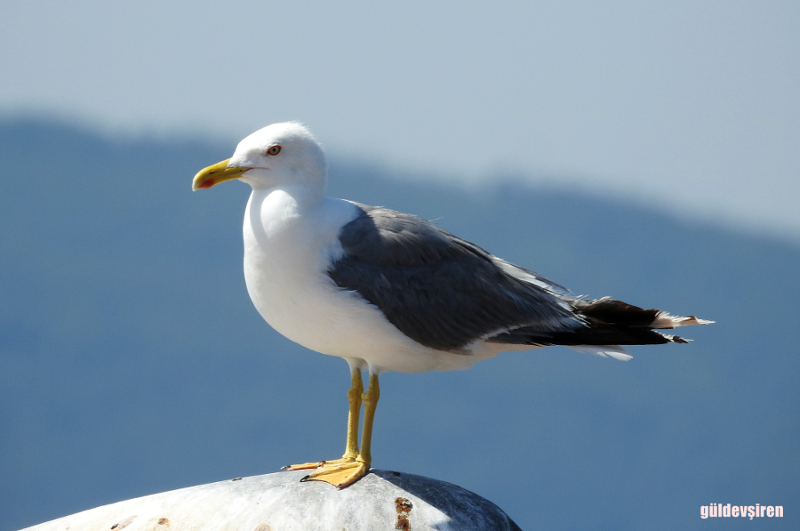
pixel 287 249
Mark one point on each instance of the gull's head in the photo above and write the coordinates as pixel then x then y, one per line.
pixel 279 154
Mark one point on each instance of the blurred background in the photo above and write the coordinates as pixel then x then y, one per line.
pixel 648 152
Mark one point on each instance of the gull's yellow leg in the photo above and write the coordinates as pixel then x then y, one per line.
pixel 354 397
pixel 351 446
pixel 344 472
pixel 370 403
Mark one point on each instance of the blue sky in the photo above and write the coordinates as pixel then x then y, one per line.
pixel 685 105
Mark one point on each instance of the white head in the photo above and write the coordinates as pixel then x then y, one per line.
pixel 279 154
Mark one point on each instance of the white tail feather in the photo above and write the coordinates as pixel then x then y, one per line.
pixel 604 351
pixel 665 321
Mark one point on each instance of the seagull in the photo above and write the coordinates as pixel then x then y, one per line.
pixel 388 291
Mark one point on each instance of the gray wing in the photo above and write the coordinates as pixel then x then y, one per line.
pixel 442 291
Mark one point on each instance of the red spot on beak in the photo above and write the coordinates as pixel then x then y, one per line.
pixel 207 183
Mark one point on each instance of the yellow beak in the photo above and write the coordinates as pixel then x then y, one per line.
pixel 217 173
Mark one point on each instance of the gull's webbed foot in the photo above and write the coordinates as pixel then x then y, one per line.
pixel 340 473
pixel 318 464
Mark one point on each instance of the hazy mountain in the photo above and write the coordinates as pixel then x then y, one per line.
pixel 132 361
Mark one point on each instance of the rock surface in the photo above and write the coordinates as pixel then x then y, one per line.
pixel 280 502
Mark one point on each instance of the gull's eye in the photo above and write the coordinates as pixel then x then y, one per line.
pixel 273 150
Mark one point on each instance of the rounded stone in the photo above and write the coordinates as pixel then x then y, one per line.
pixel 281 502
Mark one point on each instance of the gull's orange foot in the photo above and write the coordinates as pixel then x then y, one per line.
pixel 318 464
pixel 340 473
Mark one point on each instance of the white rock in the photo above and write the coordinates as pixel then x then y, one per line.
pixel 280 502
